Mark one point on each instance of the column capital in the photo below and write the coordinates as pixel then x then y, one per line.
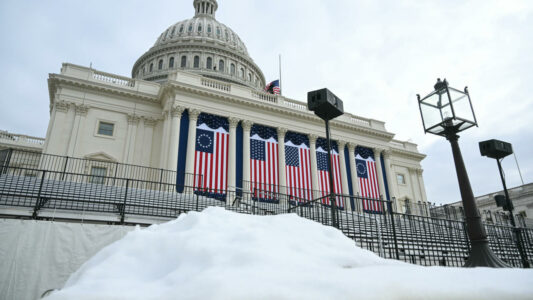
pixel 341 144
pixel 247 125
pixel 233 122
pixel 81 109
pixel 378 150
pixel 387 153
pixel 133 119
pixel 149 121
pixel 313 138
pixel 419 171
pixel 176 111
pixel 62 106
pixel 193 114
pixel 351 146
pixel 281 131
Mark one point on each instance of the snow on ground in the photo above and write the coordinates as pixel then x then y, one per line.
pixel 217 254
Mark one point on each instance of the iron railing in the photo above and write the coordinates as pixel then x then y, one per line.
pixel 46 186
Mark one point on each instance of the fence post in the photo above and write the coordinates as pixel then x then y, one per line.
pixel 64 169
pixel 160 179
pixel 391 213
pixel 123 212
pixel 38 201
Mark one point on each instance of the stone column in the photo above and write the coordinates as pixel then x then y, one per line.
pixel 390 179
pixel 77 128
pixel 344 176
pixel 133 122
pixel 379 172
pixel 314 168
pixel 164 140
pixel 420 173
pixel 353 169
pixel 232 154
pixel 191 146
pixel 246 126
pixel 281 161
pixel 56 128
pixel 174 140
pixel 146 146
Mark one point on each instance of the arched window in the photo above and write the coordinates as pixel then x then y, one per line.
pixel 221 65
pixel 171 63
pixel 160 65
pixel 249 77
pixel 196 62
pixel 173 30
pixel 209 28
pixel 181 29
pixel 218 31
pixel 151 67
pixel 241 74
pixel 232 69
pixel 209 63
pixel 199 27
pixel 190 28
pixel 183 61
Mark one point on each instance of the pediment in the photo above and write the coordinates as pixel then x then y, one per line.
pixel 101 156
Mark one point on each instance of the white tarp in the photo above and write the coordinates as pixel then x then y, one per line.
pixel 37 255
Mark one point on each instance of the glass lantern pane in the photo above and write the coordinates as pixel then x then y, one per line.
pixel 461 105
pixel 431 115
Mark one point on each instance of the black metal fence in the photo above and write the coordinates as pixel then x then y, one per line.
pixel 47 186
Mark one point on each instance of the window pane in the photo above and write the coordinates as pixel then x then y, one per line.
pixel 209 63
pixel 106 128
pixel 98 175
pixel 400 178
pixel 183 61
pixel 196 62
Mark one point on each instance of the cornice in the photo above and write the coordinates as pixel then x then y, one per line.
pixel 386 136
pixel 56 79
pixel 408 154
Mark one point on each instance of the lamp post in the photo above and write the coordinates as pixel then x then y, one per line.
pixel 446 111
pixel 327 106
pixel 499 150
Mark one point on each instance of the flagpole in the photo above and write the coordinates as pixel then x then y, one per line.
pixel 280 87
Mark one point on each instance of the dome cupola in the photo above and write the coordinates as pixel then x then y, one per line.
pixel 200 45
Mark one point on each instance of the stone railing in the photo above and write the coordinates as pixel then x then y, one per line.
pixel 11 139
pixel 215 84
pixel 264 96
pixel 114 79
pixel 356 120
pixel 294 104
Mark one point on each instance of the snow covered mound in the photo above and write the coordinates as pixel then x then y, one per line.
pixel 217 254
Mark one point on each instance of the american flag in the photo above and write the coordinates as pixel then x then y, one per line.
pixel 368 179
pixel 264 163
pixel 211 156
pixel 273 88
pixel 298 167
pixel 323 173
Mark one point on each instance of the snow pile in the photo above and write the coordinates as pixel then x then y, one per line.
pixel 217 254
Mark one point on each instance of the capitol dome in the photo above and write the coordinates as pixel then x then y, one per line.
pixel 200 45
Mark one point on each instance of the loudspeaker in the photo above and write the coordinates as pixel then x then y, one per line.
pixel 495 149
pixel 325 104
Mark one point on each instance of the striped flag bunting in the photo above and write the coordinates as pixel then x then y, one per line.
pixel 211 156
pixel 298 167
pixel 323 173
pixel 264 163
pixel 368 179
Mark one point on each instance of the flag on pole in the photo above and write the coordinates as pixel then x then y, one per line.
pixel 211 156
pixel 298 167
pixel 368 179
pixel 264 163
pixel 323 172
pixel 273 88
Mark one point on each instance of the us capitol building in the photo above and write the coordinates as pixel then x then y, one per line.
pixel 199 76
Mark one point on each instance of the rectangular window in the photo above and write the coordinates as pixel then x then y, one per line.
pixel 98 175
pixel 105 128
pixel 400 178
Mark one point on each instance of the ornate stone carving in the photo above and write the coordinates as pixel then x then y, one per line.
pixel 386 153
pixel 81 109
pixel 312 138
pixel 62 106
pixel 133 119
pixel 233 122
pixel 378 150
pixel 351 147
pixel 419 171
pixel 149 121
pixel 247 125
pixel 176 111
pixel 281 131
pixel 341 144
pixel 193 114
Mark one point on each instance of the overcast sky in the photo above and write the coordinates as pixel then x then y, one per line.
pixel 375 55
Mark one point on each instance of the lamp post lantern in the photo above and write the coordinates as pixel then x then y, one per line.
pixel 327 106
pixel 446 111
